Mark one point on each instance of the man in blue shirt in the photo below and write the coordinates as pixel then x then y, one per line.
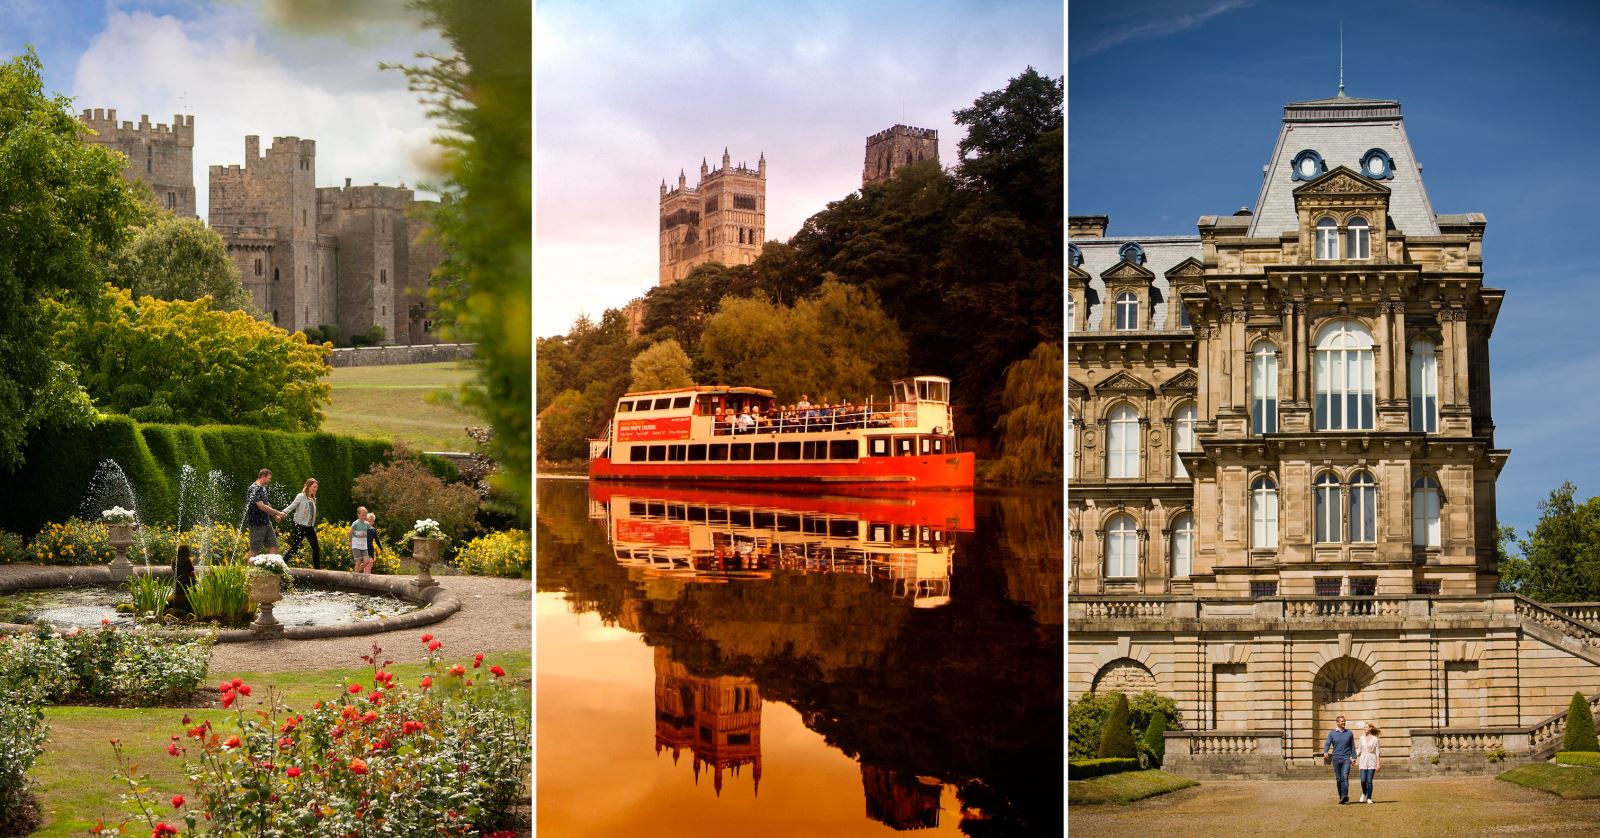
pixel 1341 743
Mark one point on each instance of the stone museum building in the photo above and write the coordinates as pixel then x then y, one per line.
pixel 1282 469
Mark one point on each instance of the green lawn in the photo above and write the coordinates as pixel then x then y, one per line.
pixel 392 402
pixel 74 775
pixel 1125 787
pixel 1573 782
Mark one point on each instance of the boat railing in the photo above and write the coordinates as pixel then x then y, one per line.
pixel 816 420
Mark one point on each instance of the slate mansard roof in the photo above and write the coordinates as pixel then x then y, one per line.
pixel 1342 130
pixel 1162 253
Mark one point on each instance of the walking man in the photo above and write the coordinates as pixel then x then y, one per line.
pixel 1341 744
pixel 259 515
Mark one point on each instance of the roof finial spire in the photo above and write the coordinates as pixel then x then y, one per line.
pixel 1341 59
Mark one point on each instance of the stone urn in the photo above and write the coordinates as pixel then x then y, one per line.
pixel 265 590
pixel 424 551
pixel 120 537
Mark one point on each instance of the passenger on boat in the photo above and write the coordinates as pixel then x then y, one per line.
pixel 747 423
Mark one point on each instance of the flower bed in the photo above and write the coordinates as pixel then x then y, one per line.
pixel 22 733
pixel 130 667
pixel 78 542
pixel 504 553
pixel 447 756
pixel 335 542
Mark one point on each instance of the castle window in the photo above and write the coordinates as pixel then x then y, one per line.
pixel 383 276
pixel 172 200
pixel 1343 372
pixel 274 316
pixel 1127 311
pixel 1182 546
pixel 384 312
pixel 1358 239
pixel 1327 239
pixel 1122 450
pixel 149 159
pixel 1182 438
pixel 1424 387
pixel 1363 508
pixel 302 218
pixel 1327 508
pixel 1264 514
pixel 258 267
pixel 274 274
pixel 308 315
pixel 1425 512
pixel 1122 547
pixel 1264 389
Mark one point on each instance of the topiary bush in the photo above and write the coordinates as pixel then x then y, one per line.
pixel 1086 719
pixel 1580 734
pixel 1154 741
pixel 1117 738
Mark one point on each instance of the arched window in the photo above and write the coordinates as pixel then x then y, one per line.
pixel 1363 508
pixel 1074 255
pixel 1264 389
pixel 1327 239
pixel 1425 512
pixel 1132 252
pixel 1358 239
pixel 1424 387
pixel 1327 508
pixel 1182 546
pixel 1127 311
pixel 1122 547
pixel 1122 448
pixel 1263 513
pixel 1182 438
pixel 1344 377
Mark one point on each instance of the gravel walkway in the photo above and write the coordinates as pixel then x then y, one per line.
pixel 1420 806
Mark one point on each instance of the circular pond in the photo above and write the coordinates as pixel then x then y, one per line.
pixel 305 605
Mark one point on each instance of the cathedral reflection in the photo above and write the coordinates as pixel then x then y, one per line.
pixel 717 719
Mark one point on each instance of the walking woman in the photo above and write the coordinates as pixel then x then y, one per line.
pixel 304 510
pixel 1367 760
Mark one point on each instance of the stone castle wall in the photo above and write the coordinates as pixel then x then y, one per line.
pixel 378 356
pixel 892 148
pixel 160 155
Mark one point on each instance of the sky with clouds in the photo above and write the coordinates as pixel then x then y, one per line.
pixel 274 68
pixel 629 93
pixel 1173 107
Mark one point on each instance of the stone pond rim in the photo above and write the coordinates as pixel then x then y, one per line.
pixel 438 603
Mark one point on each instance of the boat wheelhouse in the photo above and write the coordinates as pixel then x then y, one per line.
pixel 720 434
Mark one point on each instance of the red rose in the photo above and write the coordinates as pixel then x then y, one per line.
pixel 293 771
pixel 458 670
pixel 427 638
pixel 245 689
pixel 355 689
pixel 370 717
pixel 227 699
pixel 172 750
pixel 225 687
pixel 477 660
pixel 358 766
pixel 177 801
pixel 374 696
pixel 498 672
pixel 233 742
pixel 238 682
pixel 435 646
pixel 427 681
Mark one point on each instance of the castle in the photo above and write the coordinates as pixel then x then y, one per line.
pixel 1282 471
pixel 355 257
pixel 892 148
pixel 722 219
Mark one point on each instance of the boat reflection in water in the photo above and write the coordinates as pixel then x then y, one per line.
pixel 888 698
pixel 705 535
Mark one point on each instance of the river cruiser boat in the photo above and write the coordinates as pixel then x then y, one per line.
pixel 739 435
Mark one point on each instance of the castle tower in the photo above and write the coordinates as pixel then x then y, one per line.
pixel 266 212
pixel 374 283
pixel 159 155
pixel 722 219
pixel 894 147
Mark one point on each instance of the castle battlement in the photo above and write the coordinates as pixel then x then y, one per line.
pixel 905 131
pixel 104 122
pixel 375 196
pixel 900 145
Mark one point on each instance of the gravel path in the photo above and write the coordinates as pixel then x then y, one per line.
pixel 1420 806
pixel 496 616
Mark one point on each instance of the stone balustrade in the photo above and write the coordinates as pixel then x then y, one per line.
pixel 1211 753
pixel 1583 612
pixel 1469 750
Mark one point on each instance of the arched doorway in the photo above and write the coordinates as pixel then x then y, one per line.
pixel 1124 675
pixel 1345 687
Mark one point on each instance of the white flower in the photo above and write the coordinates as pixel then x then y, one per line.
pixel 426 528
pixel 269 563
pixel 118 515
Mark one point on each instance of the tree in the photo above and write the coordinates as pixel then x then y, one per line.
pixel 1031 427
pixel 1117 738
pixel 403 491
pixel 182 361
pixel 1561 556
pixel 171 258
pixel 1580 735
pixel 663 366
pixel 682 308
pixel 483 94
pixel 1154 741
pixel 67 209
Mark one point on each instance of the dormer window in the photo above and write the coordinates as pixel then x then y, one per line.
pixel 1327 238
pixel 1377 164
pixel 1358 239
pixel 1307 165
pixel 1132 252
pixel 1074 256
pixel 1127 311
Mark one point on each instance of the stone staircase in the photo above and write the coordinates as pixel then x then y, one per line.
pixel 1559 630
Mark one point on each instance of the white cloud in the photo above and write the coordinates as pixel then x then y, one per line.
pixel 238 77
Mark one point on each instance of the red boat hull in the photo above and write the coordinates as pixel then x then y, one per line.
pixel 936 471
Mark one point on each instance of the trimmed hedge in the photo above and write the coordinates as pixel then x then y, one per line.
pixel 1580 734
pixel 1116 740
pixel 1083 769
pixel 52 483
pixel 1589 758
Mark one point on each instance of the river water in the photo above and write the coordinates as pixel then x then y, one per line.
pixel 741 663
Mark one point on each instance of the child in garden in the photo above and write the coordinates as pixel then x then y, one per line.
pixel 360 541
pixel 374 543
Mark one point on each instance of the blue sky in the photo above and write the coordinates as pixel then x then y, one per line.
pixel 1172 109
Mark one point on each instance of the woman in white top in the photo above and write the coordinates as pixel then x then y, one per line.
pixel 1367 759
pixel 304 510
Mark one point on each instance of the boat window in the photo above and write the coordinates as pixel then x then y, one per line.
pixel 922 390
pixel 719 451
pixel 717 515
pixel 844 528
pixel 900 391
pixel 880 446
pixel 677 453
pixel 697 453
pixel 739 517
pixel 788 523
pixel 938 445
pixel 904 534
pixel 879 532
pixel 939 391
pixel 927 444
pixel 788 450
pixel 765 450
pixel 905 446
pixel 636 508
pixel 663 404
pixel 658 453
pixel 816 526
pixel 697 514
pixel 817 450
pixel 624 407
pixel 763 520
pixel 636 453
pixel 681 401
pixel 740 451
pixel 844 449
pixel 676 512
